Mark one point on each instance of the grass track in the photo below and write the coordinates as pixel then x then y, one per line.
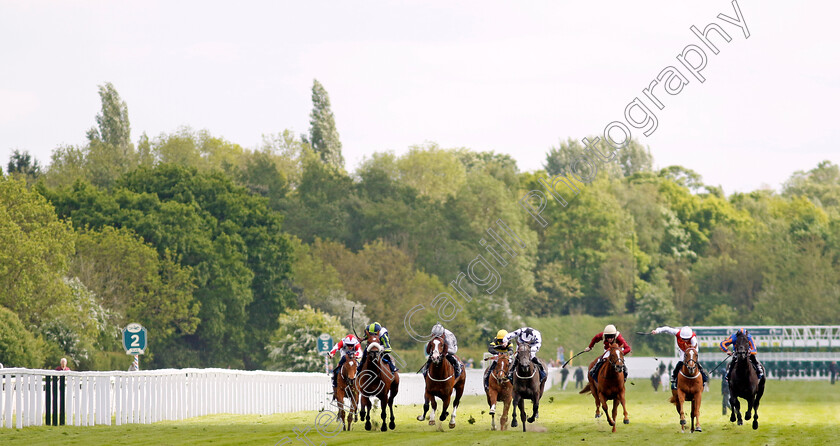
pixel 800 413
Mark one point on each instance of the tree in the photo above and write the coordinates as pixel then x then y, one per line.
pixel 23 164
pixel 432 171
pixel 820 184
pixel 18 346
pixel 294 345
pixel 114 127
pixel 323 135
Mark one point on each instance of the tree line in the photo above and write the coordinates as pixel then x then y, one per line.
pixel 240 257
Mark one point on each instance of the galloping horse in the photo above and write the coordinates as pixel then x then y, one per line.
pixel 376 380
pixel 689 388
pixel 526 385
pixel 346 388
pixel 440 381
pixel 499 388
pixel 744 382
pixel 610 386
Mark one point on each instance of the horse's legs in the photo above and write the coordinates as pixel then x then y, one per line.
pixel 425 407
pixel 615 412
pixel 503 420
pixel 521 406
pixel 383 404
pixel 366 404
pixel 444 406
pixel 749 407
pixel 491 401
pixel 695 409
pixel 680 405
pixel 624 406
pixel 736 410
pixel 603 400
pixel 433 401
pixel 459 390
pixel 594 391
pixel 535 408
pixel 513 420
pixel 755 409
pixel 391 424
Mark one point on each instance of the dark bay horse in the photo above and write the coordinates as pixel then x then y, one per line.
pixel 526 386
pixel 499 388
pixel 346 388
pixel 376 380
pixel 440 382
pixel 744 382
pixel 689 388
pixel 610 386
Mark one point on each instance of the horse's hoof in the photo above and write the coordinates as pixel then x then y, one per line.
pixel 755 424
pixel 530 419
pixel 384 428
pixel 597 415
pixel 431 422
pixel 682 422
pixel 740 423
pixel 514 423
pixel 732 418
pixel 392 425
pixel 747 416
pixel 626 421
pixel 697 429
pixel 367 426
pixel 421 417
pixel 452 425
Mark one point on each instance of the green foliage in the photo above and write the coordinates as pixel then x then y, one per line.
pixel 294 345
pixel 323 135
pixel 18 347
pixel 24 165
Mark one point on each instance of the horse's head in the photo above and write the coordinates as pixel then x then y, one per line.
pixel 523 357
pixel 349 368
pixel 437 349
pixel 742 345
pixel 502 367
pixel 374 345
pixel 616 357
pixel 691 358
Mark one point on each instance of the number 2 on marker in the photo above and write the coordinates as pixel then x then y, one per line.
pixel 135 340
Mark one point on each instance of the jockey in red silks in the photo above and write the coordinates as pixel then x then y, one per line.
pixel 609 335
pixel 686 338
pixel 350 344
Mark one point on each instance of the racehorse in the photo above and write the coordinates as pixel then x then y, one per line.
pixel 440 381
pixel 744 382
pixel 689 388
pixel 499 388
pixel 346 388
pixel 610 386
pixel 526 385
pixel 376 380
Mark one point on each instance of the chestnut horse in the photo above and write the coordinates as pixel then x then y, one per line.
pixel 376 380
pixel 440 381
pixel 499 388
pixel 610 385
pixel 526 385
pixel 346 388
pixel 689 388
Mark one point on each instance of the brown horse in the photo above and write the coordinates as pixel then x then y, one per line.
pixel 610 386
pixel 499 388
pixel 526 386
pixel 346 388
pixel 689 388
pixel 440 381
pixel 376 380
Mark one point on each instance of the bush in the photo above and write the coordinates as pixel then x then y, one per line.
pixel 18 347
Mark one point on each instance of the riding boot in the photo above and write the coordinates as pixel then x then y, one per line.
pixel 759 370
pixel 335 380
pixel 487 375
pixel 703 373
pixel 390 362
pixel 543 375
pixel 594 372
pixel 513 366
pixel 674 375
pixel 425 368
pixel 457 365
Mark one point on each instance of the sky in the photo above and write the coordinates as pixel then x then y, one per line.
pixel 511 77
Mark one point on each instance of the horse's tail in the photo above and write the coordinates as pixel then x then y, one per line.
pixel 586 389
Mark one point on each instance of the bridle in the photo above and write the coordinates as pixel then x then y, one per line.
pixel 500 373
pixel 346 368
pixel 437 350
pixel 524 350
pixel 618 364
pixel 690 364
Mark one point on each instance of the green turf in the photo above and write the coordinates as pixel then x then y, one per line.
pixel 800 413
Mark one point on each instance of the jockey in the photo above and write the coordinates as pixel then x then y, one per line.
pixel 350 344
pixel 452 348
pixel 609 335
pixel 724 345
pixel 685 338
pixel 377 329
pixel 532 338
pixel 497 347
